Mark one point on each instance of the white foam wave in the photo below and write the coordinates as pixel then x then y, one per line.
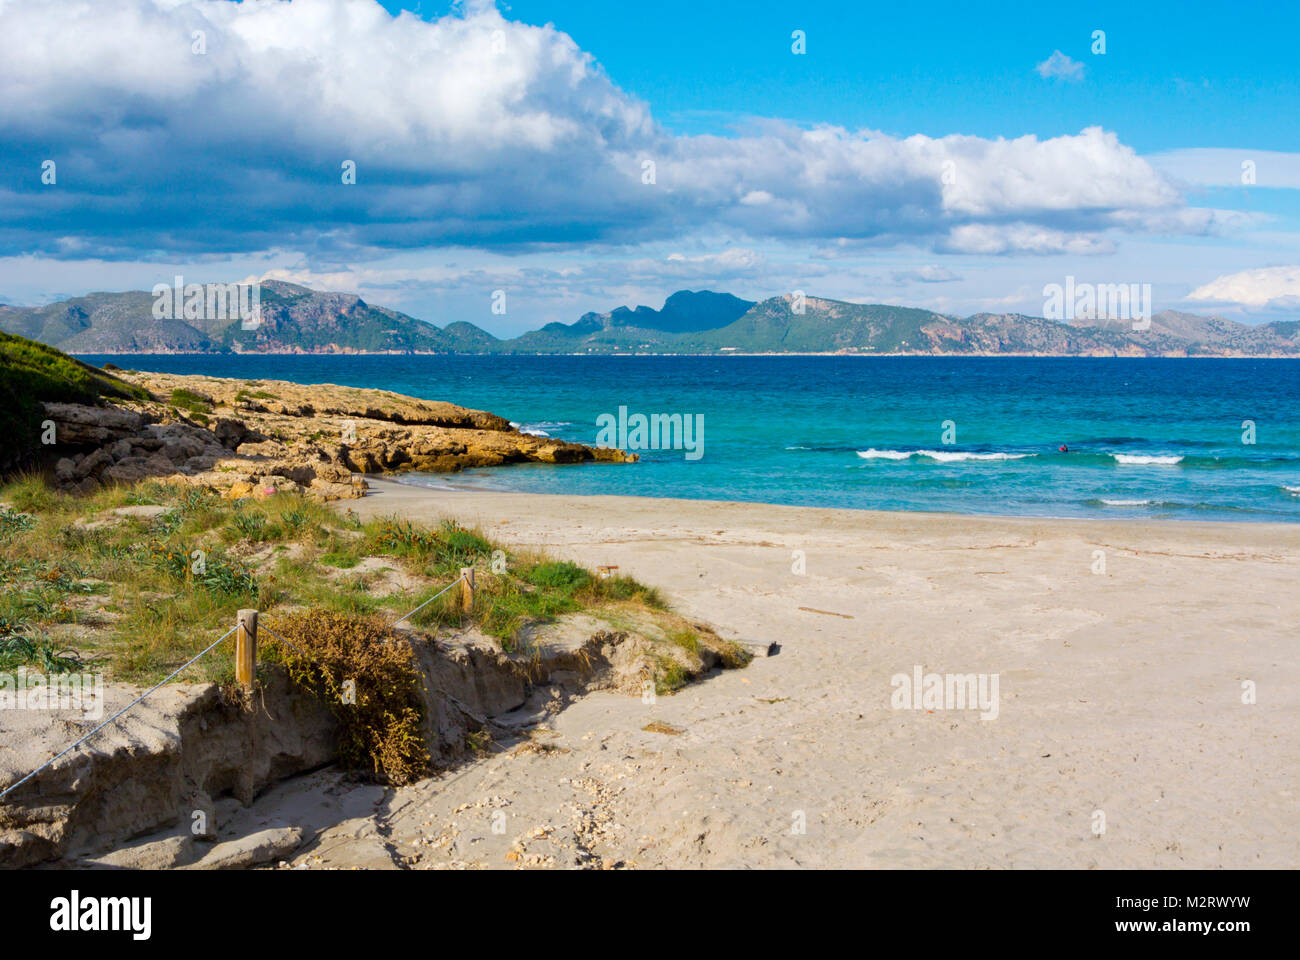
pixel 1143 459
pixel 949 456
pixel 943 456
pixel 534 429
pixel 1125 503
pixel 874 454
pixel 1295 490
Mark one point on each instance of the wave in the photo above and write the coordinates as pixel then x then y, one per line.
pixel 1143 459
pixel 1178 507
pixel 874 454
pixel 540 429
pixel 1294 490
pixel 943 456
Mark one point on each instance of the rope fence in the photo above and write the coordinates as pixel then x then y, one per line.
pixel 245 632
pixel 119 713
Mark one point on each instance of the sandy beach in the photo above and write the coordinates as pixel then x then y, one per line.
pixel 1119 736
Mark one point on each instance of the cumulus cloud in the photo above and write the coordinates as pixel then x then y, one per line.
pixel 1060 66
pixel 1270 287
pixel 469 130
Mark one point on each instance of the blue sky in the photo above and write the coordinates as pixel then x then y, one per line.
pixel 937 155
pixel 1174 75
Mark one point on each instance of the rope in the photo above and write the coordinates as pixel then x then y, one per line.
pixel 263 628
pixel 429 601
pixel 138 699
pixel 186 664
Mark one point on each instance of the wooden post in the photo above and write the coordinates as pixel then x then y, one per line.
pixel 246 649
pixel 467 589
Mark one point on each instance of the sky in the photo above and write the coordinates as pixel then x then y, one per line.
pixel 580 155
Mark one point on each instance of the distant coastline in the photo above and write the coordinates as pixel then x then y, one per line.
pixel 712 356
pixel 290 320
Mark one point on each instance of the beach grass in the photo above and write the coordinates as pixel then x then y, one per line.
pixel 135 580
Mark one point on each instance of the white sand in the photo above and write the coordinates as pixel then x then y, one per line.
pixel 1119 693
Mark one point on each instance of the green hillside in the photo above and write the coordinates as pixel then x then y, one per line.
pixel 32 373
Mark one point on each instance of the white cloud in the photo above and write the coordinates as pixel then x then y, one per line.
pixel 1223 167
pixel 1020 238
pixel 926 274
pixel 1270 287
pixel 470 130
pixel 1060 66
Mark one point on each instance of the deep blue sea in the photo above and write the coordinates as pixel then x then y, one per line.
pixel 1146 437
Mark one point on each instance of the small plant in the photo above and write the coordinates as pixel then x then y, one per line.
pixel 461 546
pixel 688 640
pixel 218 574
pixel 151 493
pixel 249 526
pixel 195 500
pixel 12 523
pixel 229 577
pixel 670 675
pixel 402 538
pixel 47 603
pixel 246 395
pixel 340 559
pixel 562 576
pixel 624 588
pixel 171 560
pixel 165 524
pixel 10 625
pixel 190 401
pixel 295 520
pixel 22 651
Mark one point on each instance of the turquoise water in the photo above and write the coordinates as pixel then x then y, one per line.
pixel 1146 437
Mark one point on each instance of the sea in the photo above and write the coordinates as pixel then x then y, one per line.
pixel 1171 439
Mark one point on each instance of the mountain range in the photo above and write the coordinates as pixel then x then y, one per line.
pixel 296 319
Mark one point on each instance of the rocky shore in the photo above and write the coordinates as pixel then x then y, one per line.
pixel 257 437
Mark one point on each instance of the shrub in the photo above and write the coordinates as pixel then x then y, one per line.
pixel 190 401
pixel 559 575
pixel 380 732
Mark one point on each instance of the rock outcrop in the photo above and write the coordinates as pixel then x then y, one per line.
pixel 251 438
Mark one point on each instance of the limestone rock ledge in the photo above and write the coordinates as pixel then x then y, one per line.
pixel 256 437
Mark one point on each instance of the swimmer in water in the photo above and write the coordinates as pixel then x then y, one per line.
pixel 1064 449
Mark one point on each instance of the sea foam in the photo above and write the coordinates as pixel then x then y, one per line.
pixel 874 454
pixel 1142 459
pixel 943 456
pixel 950 456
